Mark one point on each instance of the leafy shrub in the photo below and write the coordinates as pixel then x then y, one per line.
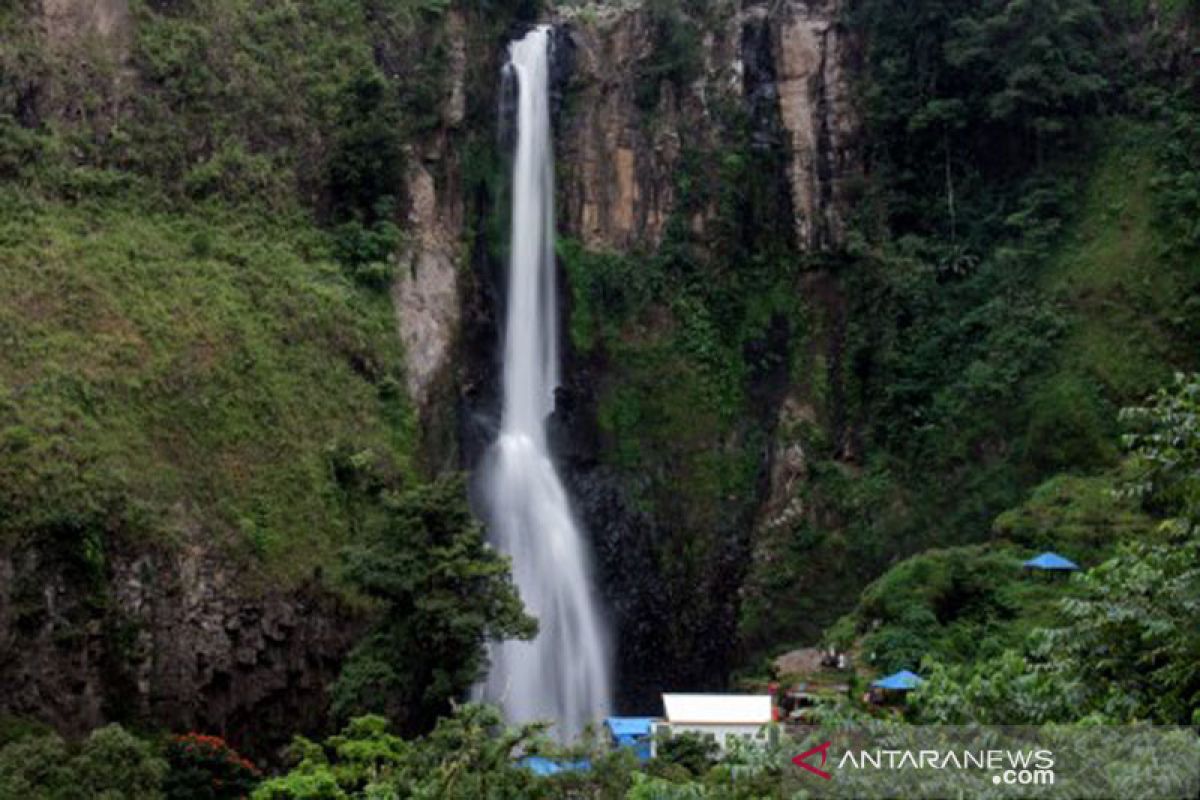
pixel 367 252
pixel 367 163
pixel 1164 438
pixel 207 768
pixel 37 768
pixel 1070 428
pixel 692 751
pixel 675 55
pixel 237 176
pixel 15 729
pixel 111 764
pixel 469 755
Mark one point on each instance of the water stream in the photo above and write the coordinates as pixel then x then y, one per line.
pixel 563 674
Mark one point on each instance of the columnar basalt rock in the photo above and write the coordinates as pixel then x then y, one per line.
pixel 425 293
pixel 622 166
pixel 168 637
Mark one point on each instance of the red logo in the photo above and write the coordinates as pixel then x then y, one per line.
pixel 823 749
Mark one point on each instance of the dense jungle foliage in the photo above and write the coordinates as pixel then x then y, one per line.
pixel 1023 265
pixel 199 345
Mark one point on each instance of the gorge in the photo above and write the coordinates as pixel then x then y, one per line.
pixel 739 328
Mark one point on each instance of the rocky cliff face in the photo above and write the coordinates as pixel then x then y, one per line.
pixel 426 291
pixel 617 166
pixel 103 625
pixel 810 55
pixel 179 637
pixel 618 161
pixel 88 44
pixel 182 637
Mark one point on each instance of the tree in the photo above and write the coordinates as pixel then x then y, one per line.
pixel 1132 637
pixel 470 754
pixel 1134 629
pixel 1165 442
pixel 1038 60
pixel 1129 646
pixel 962 95
pixel 444 592
pixel 1010 689
pixel 111 764
pixel 207 768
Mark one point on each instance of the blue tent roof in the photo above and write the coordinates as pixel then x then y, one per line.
pixel 540 765
pixel 899 680
pixel 629 726
pixel 1051 561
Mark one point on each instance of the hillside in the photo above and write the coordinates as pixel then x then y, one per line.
pixel 858 305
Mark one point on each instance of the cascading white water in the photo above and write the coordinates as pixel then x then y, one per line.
pixel 563 674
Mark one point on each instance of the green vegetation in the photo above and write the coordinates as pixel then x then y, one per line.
pixel 1083 518
pixel 674 56
pixel 472 755
pixel 165 368
pixel 206 768
pixel 110 764
pixel 201 212
pixel 1015 274
pixel 196 237
pixel 682 339
pixel 1117 643
pixel 444 592
pixel 964 604
pixel 956 605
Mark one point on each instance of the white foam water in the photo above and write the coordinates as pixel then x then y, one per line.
pixel 563 675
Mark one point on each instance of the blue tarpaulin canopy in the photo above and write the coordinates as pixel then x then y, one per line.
pixel 901 680
pixel 1051 561
pixel 631 732
pixel 540 765
pixel 621 727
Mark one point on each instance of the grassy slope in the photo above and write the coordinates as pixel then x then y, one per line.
pixel 174 372
pixel 1111 274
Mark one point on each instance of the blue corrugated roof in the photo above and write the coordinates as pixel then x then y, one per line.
pixel 899 680
pixel 1051 561
pixel 629 726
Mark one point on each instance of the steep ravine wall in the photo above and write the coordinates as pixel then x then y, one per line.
pixel 182 626
pixel 619 165
pixel 618 161
pixel 181 636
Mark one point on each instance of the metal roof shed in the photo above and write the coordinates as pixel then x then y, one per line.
pixel 718 709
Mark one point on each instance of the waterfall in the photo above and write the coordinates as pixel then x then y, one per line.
pixel 563 674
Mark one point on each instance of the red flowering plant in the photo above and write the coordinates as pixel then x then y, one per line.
pixel 207 768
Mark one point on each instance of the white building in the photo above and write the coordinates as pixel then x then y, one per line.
pixel 721 716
